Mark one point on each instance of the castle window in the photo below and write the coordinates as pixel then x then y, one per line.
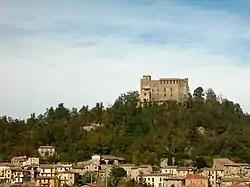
pixel 145 94
pixel 165 95
pixel 171 89
pixel 157 90
pixel 164 89
pixel 171 95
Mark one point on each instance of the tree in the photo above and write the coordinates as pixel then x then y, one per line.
pixel 210 95
pixel 115 176
pixel 198 93
pixel 196 128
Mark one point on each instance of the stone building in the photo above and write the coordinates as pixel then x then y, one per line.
pixel 46 151
pixel 163 89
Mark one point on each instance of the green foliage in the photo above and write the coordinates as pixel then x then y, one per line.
pixel 116 175
pixel 89 177
pixel 202 127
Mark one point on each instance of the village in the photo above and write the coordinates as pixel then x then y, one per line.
pixel 28 171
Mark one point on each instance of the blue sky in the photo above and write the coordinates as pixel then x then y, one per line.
pixel 85 51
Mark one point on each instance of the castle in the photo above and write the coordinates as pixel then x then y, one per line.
pixel 163 89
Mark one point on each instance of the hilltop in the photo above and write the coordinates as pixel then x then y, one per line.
pixel 199 129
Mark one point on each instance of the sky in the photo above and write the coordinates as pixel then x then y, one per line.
pixel 80 52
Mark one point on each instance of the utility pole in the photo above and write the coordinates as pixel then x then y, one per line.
pixel 106 176
pixel 216 176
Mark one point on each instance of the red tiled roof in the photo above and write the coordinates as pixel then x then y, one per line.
pixel 194 176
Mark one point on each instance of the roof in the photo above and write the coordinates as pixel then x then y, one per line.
pixel 195 176
pixel 110 157
pixel 239 185
pixel 127 165
pixel 234 179
pixel 19 170
pixel 44 177
pixel 69 171
pixel 196 185
pixel 19 158
pixel 169 167
pixel 6 164
pixel 185 168
pixel 224 161
pixel 46 147
pixel 141 166
pixel 237 164
pixel 213 169
pixel 174 178
pixel 46 166
pixel 156 174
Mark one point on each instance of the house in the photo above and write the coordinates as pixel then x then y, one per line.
pixel 63 167
pixel 19 176
pixel 6 175
pixel 171 170
pixel 231 169
pixel 67 178
pixel 106 160
pixel 31 161
pixel 154 179
pixel 172 181
pixel 183 171
pixel 137 171
pixel 234 181
pixel 19 160
pixel 43 181
pixel 236 169
pixel 46 151
pixel 214 175
pixel 128 169
pixel 219 163
pixel 47 170
pixel 195 180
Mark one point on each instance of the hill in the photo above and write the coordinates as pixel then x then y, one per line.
pixel 199 129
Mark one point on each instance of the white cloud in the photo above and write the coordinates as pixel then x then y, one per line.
pixel 94 55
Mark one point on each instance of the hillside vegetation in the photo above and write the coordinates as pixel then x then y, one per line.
pixel 199 129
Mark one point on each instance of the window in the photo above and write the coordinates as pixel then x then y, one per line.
pixel 171 89
pixel 152 90
pixel 157 90
pixel 145 94
pixel 164 89
pixel 165 95
pixel 153 179
pixel 159 184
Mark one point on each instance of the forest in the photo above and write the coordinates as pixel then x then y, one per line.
pixel 203 127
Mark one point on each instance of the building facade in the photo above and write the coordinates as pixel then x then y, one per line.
pixel 163 89
pixel 46 151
